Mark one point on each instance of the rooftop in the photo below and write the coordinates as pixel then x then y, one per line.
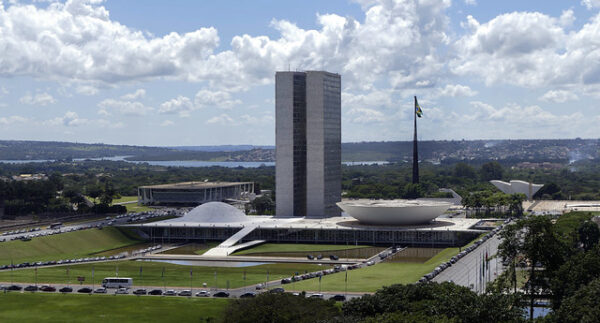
pixel 195 185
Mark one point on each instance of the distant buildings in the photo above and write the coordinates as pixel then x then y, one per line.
pixel 308 143
pixel 194 193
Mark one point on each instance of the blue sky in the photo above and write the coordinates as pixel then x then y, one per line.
pixel 201 72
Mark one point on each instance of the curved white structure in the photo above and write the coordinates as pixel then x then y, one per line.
pixel 213 212
pixel 516 186
pixel 394 212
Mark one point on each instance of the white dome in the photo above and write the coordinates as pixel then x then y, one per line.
pixel 394 212
pixel 214 212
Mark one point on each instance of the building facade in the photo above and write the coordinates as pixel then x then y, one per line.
pixel 308 143
pixel 194 193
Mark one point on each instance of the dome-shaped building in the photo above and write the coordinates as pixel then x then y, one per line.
pixel 394 212
pixel 214 212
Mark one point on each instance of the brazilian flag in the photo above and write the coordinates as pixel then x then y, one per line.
pixel 418 110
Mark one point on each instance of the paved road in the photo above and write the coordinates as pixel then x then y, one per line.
pixel 468 270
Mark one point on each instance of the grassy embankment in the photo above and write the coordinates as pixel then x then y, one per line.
pixel 191 249
pixel 152 274
pixel 301 250
pixel 77 244
pixel 39 307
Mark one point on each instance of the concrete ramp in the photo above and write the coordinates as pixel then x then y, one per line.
pixel 229 246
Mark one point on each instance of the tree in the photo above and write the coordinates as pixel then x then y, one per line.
pixel 464 170
pixel 412 191
pixel 263 205
pixel 581 307
pixel 269 307
pixel 588 235
pixel 108 193
pixel 490 171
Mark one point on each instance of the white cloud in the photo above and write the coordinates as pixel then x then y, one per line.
pixel 3 91
pixel 37 99
pixel 471 2
pixel 6 121
pixel 167 123
pixel 131 108
pixel 558 96
pixel 180 105
pixel 454 90
pixel 70 119
pixel 365 116
pixel 139 93
pixel 86 89
pixel 591 4
pixel 218 99
pixel 222 119
pixel 567 18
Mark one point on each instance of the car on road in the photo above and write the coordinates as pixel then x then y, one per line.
pixel 338 298
pixel 30 288
pixel 310 257
pixel 122 291
pixel 66 290
pixel 203 293
pixel 286 280
pixel 139 291
pixel 185 292
pixel 100 290
pixel 155 292
pixel 260 286
pixel 14 287
pixel 277 290
pixel 170 292
pixel 46 288
pixel 370 263
pixel 318 295
pixel 248 295
pixel 84 290
pixel 221 294
pixel 333 257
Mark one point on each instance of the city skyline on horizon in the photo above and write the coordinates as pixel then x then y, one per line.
pixel 193 74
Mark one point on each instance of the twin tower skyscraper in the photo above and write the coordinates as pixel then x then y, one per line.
pixel 308 143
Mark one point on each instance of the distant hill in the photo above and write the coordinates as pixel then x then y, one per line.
pixel 472 151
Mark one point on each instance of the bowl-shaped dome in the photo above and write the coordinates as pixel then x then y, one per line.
pixel 394 212
pixel 214 212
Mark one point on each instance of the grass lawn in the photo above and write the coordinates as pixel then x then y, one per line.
pixel 292 247
pixel 133 208
pixel 174 275
pixel 192 249
pixel 70 245
pixel 17 307
pixel 125 199
pixel 372 278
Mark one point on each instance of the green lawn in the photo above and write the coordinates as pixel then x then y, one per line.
pixel 69 245
pixel 125 199
pixel 372 278
pixel 174 275
pixel 133 208
pixel 292 247
pixel 192 249
pixel 26 307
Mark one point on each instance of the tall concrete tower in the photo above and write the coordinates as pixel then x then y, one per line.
pixel 308 143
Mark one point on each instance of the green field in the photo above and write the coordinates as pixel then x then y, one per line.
pixel 26 307
pixel 69 245
pixel 191 249
pixel 151 274
pixel 292 247
pixel 372 278
pixel 123 199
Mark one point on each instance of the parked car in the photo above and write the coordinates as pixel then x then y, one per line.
pixel 185 292
pixel 260 286
pixel 66 290
pixel 100 290
pixel 338 298
pixel 47 288
pixel 155 292
pixel 203 293
pixel 221 294
pixel 277 290
pixel 170 292
pixel 333 257
pixel 30 288
pixel 248 295
pixel 286 281
pixel 139 291
pixel 14 287
pixel 122 291
pixel 84 290
pixel 316 296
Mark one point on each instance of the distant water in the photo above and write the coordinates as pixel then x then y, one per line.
pixel 186 163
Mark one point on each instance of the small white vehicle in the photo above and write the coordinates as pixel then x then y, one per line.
pixel 203 293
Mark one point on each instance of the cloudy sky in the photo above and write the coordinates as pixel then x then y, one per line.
pixel 201 72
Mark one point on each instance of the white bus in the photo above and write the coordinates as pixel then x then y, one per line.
pixel 117 282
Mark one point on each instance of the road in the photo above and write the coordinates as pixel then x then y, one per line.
pixel 468 270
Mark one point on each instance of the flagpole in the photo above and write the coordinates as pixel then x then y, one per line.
pixel 415 178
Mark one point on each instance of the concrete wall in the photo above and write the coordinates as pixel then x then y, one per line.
pixel 284 181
